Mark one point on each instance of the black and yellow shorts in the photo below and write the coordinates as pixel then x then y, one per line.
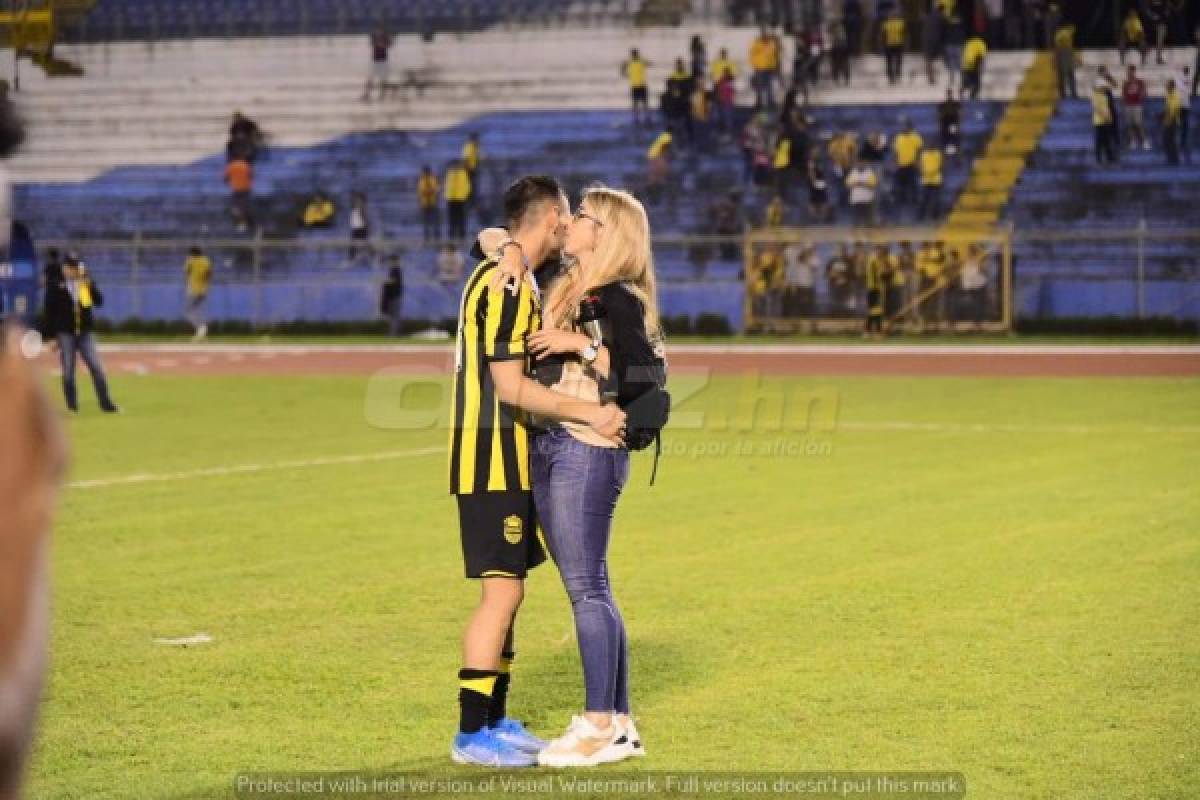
pixel 499 534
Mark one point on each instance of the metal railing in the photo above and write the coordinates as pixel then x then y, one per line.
pixel 1067 273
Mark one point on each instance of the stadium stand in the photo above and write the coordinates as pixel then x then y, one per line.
pixel 133 146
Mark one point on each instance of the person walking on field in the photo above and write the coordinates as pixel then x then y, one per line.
pixel 198 269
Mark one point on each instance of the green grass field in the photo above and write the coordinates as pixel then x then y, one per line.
pixel 998 577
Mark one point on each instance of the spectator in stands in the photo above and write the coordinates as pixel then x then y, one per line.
pixel 950 124
pixel 972 277
pixel 863 184
pixel 855 22
pixel 907 147
pixel 931 266
pixel 754 149
pixel 767 286
pixel 198 271
pixel 681 78
pixel 450 266
pixel 457 191
pixel 839 53
pixel 781 165
pixel 895 36
pixel 1103 118
pixel 842 149
pixel 1195 89
pixel 239 176
pixel 428 190
pixel 764 61
pixel 876 283
pixel 773 218
pixel 932 31
pixel 318 212
pixel 1133 35
pixel 1036 30
pixel 245 139
pixel 931 184
pixel 725 95
pixel 994 12
pixel 1133 97
pixel 1157 16
pixel 360 226
pixel 974 55
pixel 391 298
pixel 800 281
pixel 634 71
pixel 723 64
pixel 819 210
pixel 658 158
pixel 904 275
pixel 1013 14
pixel 839 273
pixel 699 59
pixel 1183 81
pixel 1050 23
pixel 1065 61
pixel 874 148
pixel 69 322
pixel 381 45
pixel 700 109
pixel 954 36
pixel 472 155
pixel 1171 117
pixel 676 111
pixel 725 216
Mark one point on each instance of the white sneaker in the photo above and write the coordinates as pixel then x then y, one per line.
pixel 585 745
pixel 636 748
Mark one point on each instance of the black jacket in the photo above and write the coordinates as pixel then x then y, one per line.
pixel 61 314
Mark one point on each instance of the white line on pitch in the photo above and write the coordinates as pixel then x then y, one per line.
pixel 245 469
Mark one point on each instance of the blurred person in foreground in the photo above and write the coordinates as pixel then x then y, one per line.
pixel 32 459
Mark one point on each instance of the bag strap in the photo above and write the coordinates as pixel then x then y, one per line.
pixel 657 453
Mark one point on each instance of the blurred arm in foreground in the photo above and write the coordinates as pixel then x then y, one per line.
pixel 32 459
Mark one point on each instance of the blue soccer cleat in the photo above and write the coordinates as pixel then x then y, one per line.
pixel 482 749
pixel 514 734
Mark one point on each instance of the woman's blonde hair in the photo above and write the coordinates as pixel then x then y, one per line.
pixel 623 255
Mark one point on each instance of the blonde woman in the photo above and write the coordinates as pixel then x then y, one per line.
pixel 577 476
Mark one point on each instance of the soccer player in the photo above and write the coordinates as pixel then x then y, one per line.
pixel 489 464
pixel 198 269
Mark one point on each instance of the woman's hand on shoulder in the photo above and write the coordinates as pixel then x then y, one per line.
pixel 551 341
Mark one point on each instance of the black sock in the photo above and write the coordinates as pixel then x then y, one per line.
pixel 475 687
pixel 498 709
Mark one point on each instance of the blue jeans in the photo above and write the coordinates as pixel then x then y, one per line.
pixel 575 489
pixel 85 346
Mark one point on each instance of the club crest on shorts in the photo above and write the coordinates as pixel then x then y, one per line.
pixel 513 529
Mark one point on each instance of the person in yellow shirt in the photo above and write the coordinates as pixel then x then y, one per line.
pixel 931 267
pixel 781 163
pixel 1133 36
pixel 471 156
pixel 907 148
pixel 764 61
pixel 634 71
pixel 198 269
pixel 458 192
pixel 974 53
pixel 1065 61
pixel 658 158
pixel 775 211
pixel 428 190
pixel 722 65
pixel 766 288
pixel 1173 111
pixel 895 36
pixel 878 275
pixel 931 184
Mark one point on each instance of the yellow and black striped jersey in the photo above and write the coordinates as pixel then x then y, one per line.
pixel 489 440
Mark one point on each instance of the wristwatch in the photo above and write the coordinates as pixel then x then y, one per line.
pixel 590 353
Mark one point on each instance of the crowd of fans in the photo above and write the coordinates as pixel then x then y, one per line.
pixel 927 286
